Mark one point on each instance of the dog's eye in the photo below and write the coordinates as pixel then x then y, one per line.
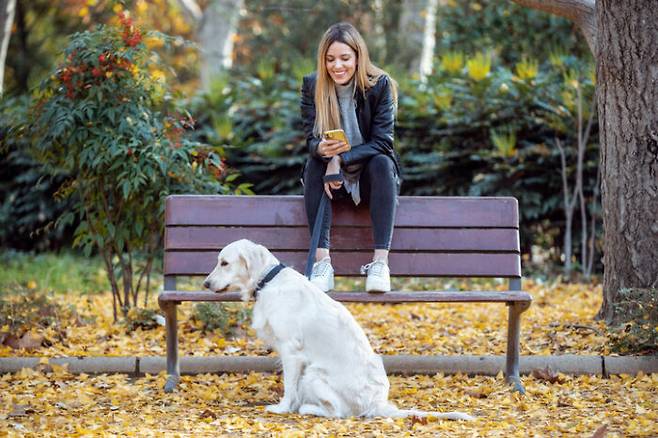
pixel 223 263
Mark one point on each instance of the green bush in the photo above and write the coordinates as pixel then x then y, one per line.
pixel 28 206
pixel 146 319
pixel 212 316
pixel 484 129
pixel 219 316
pixel 501 25
pixel 105 119
pixel 26 312
pixel 256 120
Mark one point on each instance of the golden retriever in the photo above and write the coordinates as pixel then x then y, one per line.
pixel 329 367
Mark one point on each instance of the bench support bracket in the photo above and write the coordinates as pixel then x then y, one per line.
pixel 513 345
pixel 173 367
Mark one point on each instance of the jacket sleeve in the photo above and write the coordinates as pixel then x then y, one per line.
pixel 307 106
pixel 383 122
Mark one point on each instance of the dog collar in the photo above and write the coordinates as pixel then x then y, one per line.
pixel 270 275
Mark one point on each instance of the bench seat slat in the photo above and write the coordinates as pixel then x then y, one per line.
pixel 389 297
pixel 412 211
pixel 416 264
pixel 346 238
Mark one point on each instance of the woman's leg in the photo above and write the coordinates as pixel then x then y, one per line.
pixel 313 191
pixel 379 189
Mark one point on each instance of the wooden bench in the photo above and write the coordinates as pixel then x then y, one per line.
pixel 433 237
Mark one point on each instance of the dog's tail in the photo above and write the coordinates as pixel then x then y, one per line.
pixel 390 410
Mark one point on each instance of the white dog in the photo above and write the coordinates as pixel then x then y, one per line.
pixel 329 367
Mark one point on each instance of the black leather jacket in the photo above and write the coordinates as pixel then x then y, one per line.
pixel 375 113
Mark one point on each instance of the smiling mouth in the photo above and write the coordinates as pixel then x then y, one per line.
pixel 219 291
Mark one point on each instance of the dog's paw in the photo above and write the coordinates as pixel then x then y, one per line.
pixel 279 408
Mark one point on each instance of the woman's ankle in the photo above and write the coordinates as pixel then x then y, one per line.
pixel 380 255
pixel 321 254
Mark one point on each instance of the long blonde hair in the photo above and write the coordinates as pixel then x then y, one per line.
pixel 366 75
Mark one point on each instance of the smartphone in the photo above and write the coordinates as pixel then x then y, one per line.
pixel 337 134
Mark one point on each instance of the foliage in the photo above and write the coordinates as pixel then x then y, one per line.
pixel 42 27
pixel 40 30
pixel 108 124
pixel 292 30
pixel 30 320
pixel 145 319
pixel 256 118
pixel 27 205
pixel 638 308
pixel 501 25
pixel 491 130
pixel 211 316
pixel 560 321
pixel 41 402
pixel 223 318
pixel 23 308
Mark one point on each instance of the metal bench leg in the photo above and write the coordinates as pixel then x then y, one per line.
pixel 513 345
pixel 173 368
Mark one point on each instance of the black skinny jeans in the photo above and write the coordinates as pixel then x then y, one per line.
pixel 378 188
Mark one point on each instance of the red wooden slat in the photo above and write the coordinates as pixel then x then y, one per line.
pixel 389 297
pixel 346 238
pixel 417 264
pixel 412 211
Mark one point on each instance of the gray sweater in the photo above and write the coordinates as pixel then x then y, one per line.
pixel 350 125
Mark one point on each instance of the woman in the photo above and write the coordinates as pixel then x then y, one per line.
pixel 348 92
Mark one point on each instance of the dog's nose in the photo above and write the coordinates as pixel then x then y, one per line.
pixel 206 284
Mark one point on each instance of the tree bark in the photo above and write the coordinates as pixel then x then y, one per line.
pixel 7 9
pixel 627 93
pixel 625 36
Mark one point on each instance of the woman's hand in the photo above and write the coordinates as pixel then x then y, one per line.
pixel 330 148
pixel 332 168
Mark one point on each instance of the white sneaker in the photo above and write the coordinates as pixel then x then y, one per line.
pixel 322 274
pixel 379 276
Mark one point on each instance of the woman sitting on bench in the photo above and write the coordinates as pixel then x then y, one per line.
pixel 348 92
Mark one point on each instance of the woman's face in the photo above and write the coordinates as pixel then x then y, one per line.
pixel 340 62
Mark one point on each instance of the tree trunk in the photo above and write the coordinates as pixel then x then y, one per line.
pixel 218 26
pixel 624 39
pixel 627 92
pixel 7 8
pixel 417 31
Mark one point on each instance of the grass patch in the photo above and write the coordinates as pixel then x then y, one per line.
pixel 63 272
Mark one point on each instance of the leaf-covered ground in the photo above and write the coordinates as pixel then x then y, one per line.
pixel 38 403
pixel 560 321
pixel 60 404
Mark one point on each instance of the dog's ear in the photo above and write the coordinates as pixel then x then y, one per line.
pixel 245 259
pixel 254 257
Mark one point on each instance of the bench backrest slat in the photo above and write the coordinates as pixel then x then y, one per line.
pixel 417 264
pixel 288 211
pixel 347 239
pixel 434 236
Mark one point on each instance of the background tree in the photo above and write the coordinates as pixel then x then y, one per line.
pixel 7 8
pixel 417 35
pixel 216 27
pixel 624 37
